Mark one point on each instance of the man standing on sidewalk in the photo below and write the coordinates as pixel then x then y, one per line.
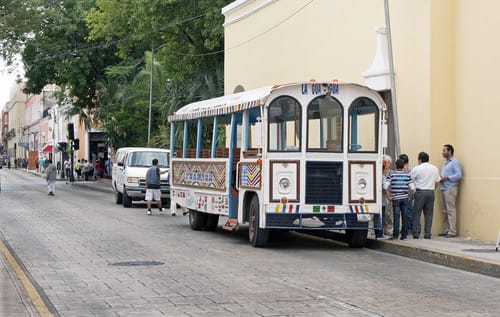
pixel 426 178
pixel 50 176
pixel 451 173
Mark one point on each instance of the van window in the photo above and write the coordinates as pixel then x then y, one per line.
pixel 120 157
pixel 145 159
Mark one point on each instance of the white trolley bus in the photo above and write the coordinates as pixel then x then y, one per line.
pixel 303 156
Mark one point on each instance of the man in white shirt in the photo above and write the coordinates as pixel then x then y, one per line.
pixel 426 179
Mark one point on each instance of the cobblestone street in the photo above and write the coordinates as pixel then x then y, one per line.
pixel 91 257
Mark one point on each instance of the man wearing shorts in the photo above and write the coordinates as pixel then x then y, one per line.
pixel 153 191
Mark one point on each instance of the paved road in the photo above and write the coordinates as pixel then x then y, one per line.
pixel 91 257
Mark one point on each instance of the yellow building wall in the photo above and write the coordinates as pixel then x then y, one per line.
pixel 445 60
pixel 477 107
pixel 296 40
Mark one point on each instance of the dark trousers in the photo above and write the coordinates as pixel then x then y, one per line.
pixel 424 201
pixel 409 213
pixel 400 211
pixel 379 233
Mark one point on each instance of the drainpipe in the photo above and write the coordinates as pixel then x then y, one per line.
pixel 397 146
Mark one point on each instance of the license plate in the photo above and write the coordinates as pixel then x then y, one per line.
pixel 364 217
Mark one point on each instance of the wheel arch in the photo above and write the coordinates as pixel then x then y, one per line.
pixel 247 198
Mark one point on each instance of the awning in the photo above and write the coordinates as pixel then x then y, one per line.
pixel 47 148
pixel 222 105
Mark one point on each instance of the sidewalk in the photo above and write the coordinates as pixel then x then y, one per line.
pixel 15 300
pixel 460 253
pixel 102 184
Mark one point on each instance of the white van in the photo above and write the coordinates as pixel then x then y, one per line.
pixel 129 174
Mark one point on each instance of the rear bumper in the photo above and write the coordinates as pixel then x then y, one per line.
pixel 318 221
pixel 138 193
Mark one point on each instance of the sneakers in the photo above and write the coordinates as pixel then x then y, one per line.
pixel 172 213
pixel 51 193
pixel 149 212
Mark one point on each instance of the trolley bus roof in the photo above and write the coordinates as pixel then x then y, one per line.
pixel 244 100
pixel 222 105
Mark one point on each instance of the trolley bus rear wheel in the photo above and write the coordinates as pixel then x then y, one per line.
pixel 197 220
pixel 356 238
pixel 211 222
pixel 257 237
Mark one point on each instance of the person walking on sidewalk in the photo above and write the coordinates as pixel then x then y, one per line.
pixel 50 176
pixel 398 188
pixel 153 186
pixel 451 173
pixel 426 178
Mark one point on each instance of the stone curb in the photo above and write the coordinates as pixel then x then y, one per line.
pixel 439 257
pixel 102 187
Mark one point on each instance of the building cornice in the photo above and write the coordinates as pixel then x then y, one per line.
pixel 240 4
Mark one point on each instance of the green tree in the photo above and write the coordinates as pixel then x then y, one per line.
pixel 17 25
pixel 52 36
pixel 187 40
pixel 97 52
pixel 60 54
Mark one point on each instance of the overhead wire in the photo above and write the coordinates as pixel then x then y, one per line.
pixel 91 47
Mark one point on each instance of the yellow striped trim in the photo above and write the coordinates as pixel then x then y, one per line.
pixel 32 292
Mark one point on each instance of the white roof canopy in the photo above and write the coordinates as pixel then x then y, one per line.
pixel 222 105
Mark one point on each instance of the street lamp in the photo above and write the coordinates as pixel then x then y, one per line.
pixel 150 92
pixel 151 87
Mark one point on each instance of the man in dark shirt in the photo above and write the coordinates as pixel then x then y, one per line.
pixel 153 185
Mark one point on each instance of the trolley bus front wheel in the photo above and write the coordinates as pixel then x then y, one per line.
pixel 356 238
pixel 257 237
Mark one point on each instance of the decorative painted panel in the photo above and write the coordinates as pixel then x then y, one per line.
pixel 200 174
pixel 250 175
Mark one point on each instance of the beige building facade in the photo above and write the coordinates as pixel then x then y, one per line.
pixel 14 109
pixel 445 57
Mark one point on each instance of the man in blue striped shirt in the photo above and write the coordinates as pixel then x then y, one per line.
pixel 451 173
pixel 398 187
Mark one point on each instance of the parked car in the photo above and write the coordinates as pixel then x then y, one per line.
pixel 129 174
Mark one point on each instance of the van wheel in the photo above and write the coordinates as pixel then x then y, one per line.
pixel 197 220
pixel 166 203
pixel 257 237
pixel 118 197
pixel 211 222
pixel 356 238
pixel 127 202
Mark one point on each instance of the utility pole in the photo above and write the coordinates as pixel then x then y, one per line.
pixel 72 168
pixel 71 136
pixel 150 92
